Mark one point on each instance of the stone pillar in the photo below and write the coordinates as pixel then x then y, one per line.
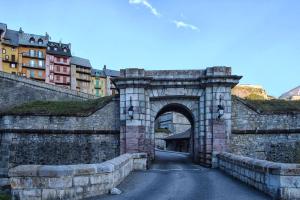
pixel 219 82
pixel 132 84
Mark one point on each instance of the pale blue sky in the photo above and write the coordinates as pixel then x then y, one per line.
pixel 259 39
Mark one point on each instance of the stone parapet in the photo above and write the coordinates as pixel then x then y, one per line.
pixel 45 182
pixel 24 80
pixel 281 181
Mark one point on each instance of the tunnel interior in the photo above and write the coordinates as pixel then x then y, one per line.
pixel 174 129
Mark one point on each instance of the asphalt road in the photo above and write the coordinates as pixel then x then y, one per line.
pixel 174 177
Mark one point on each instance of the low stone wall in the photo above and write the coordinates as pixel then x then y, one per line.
pixel 275 147
pixel 281 181
pixel 48 182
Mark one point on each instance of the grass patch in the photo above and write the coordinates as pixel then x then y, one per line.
pixel 59 108
pixel 273 106
pixel 4 197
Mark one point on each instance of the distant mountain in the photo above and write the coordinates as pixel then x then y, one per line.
pixel 293 94
pixel 254 92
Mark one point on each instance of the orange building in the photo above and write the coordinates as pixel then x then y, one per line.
pixel 32 49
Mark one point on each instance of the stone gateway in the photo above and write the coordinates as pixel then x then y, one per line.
pixel 202 96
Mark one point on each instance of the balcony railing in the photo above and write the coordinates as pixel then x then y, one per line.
pixel 36 66
pixel 85 71
pixel 33 55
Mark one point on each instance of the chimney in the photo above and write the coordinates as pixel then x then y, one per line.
pixel 20 30
pixel 104 67
pixel 47 36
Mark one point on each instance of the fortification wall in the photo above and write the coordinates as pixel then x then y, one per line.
pixel 15 90
pixel 57 140
pixel 268 136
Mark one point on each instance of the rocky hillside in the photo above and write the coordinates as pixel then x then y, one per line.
pixel 293 94
pixel 254 92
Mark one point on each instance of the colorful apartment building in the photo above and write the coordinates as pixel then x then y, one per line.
pixel 58 64
pixel 110 86
pixel 81 74
pixel 35 57
pixel 32 49
pixel 10 52
pixel 98 83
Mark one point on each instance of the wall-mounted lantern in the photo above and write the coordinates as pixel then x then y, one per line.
pixel 220 108
pixel 130 110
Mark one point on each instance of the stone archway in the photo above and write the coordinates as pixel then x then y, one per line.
pixel 189 111
pixel 143 94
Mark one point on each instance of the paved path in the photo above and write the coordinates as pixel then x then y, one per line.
pixel 174 177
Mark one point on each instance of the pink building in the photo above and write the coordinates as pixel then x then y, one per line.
pixel 58 65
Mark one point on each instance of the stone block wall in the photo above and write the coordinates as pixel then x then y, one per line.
pixel 16 90
pixel 59 140
pixel 72 182
pixel 281 181
pixel 268 136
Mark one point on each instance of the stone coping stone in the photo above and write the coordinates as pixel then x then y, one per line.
pixel 73 170
pixel 263 166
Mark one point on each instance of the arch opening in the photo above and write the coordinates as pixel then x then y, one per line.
pixel 174 129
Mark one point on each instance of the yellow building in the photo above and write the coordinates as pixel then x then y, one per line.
pixel 3 29
pixel 9 52
pixel 32 51
pixel 81 74
pixel 98 83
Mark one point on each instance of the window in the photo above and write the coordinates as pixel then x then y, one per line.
pixel 65 60
pixel 40 41
pixel 65 50
pixel 3 51
pixel 13 48
pixel 31 52
pixel 58 68
pixel 57 78
pixel 55 48
pixel 57 59
pixel 13 65
pixel 41 63
pixel 32 63
pixel 31 73
pixel 65 69
pixel 32 40
pixel 40 54
pixel 6 57
pixel 51 67
pixel 48 48
pixel 13 58
pixel 51 76
pixel 64 79
pixel 40 74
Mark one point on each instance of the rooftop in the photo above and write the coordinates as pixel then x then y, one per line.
pixel 11 37
pixel 81 62
pixel 58 48
pixel 184 135
pixel 29 39
pixel 97 73
pixel 59 108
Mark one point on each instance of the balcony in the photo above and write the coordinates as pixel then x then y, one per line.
pixel 33 55
pixel 83 70
pixel 34 66
pixel 61 61
pixel 60 70
pixel 83 77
